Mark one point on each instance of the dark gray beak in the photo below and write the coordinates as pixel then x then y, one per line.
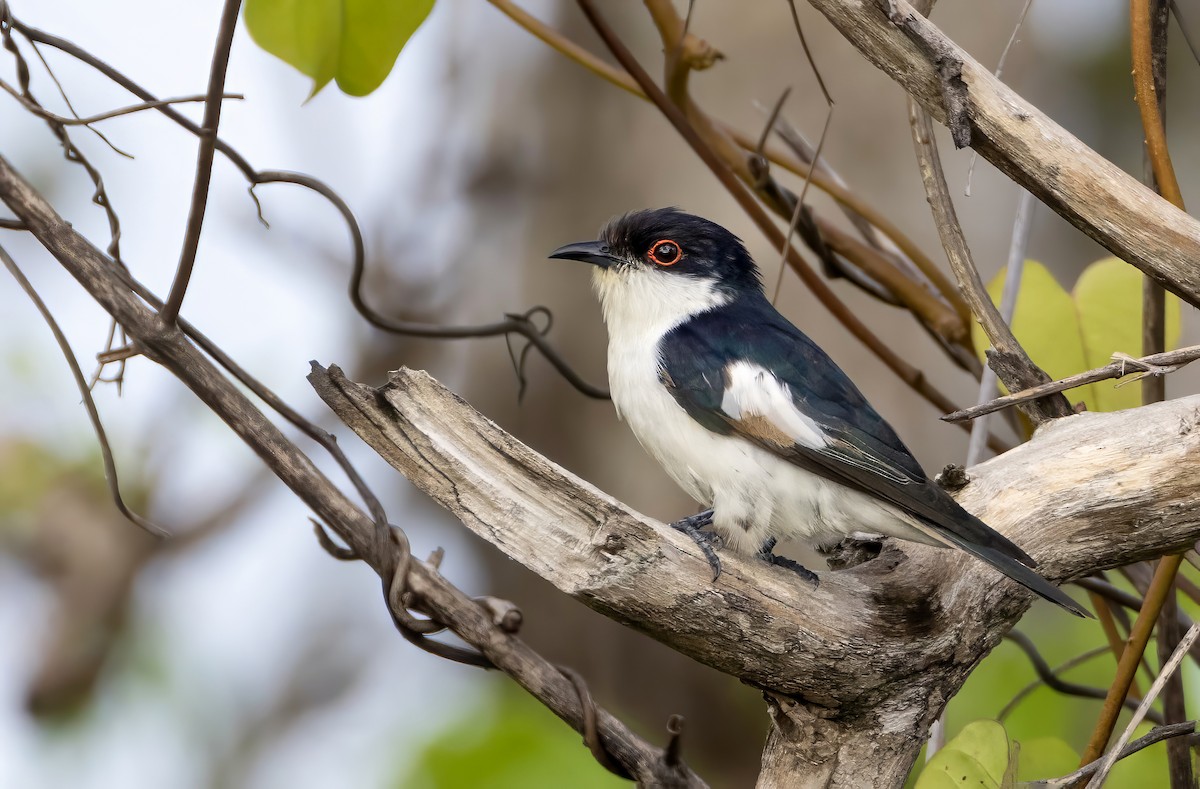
pixel 594 252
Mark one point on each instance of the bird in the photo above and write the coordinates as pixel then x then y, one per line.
pixel 749 416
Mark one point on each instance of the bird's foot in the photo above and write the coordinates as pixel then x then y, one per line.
pixel 691 526
pixel 767 554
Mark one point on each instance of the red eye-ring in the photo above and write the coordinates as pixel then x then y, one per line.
pixel 665 252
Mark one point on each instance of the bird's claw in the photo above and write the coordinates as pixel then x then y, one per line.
pixel 766 554
pixel 706 541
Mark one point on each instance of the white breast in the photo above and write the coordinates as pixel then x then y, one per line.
pixel 755 494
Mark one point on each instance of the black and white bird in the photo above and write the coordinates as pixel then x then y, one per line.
pixel 748 415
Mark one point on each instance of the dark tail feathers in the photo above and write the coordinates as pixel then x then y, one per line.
pixel 1019 573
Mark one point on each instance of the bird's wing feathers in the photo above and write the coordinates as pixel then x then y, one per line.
pixel 772 385
pixel 767 382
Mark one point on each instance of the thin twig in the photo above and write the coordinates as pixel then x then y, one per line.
pixel 1012 39
pixel 71 107
pixel 110 464
pixel 1158 364
pixel 772 117
pixel 1062 668
pixel 516 324
pixel 812 62
pixel 523 327
pixel 800 147
pixel 1167 670
pixel 1174 704
pixel 1145 93
pixel 816 160
pixel 1017 249
pixel 1141 576
pixel 1110 592
pixel 1154 736
pixel 1010 361
pixel 1108 623
pixel 1047 675
pixel 41 112
pixel 70 150
pixel 1139 637
pixel 1148 44
pixel 204 160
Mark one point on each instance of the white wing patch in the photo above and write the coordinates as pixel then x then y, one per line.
pixel 753 391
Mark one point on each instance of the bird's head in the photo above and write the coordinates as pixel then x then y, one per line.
pixel 665 253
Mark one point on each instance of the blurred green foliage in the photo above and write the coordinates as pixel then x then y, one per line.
pixel 30 472
pixel 1068 333
pixel 510 741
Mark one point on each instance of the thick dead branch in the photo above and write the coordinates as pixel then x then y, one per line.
pixel 1089 191
pixel 869 657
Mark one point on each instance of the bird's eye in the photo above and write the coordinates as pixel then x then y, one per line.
pixel 665 252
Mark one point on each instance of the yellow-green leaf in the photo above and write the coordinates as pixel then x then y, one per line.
pixel 1046 324
pixel 1045 757
pixel 1066 333
pixel 355 42
pixel 1108 297
pixel 978 758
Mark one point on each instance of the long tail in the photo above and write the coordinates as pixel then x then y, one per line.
pixel 1018 572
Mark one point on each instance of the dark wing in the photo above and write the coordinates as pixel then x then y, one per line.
pixel 808 412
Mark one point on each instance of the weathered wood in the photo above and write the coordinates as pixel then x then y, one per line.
pixel 875 651
pixel 1086 189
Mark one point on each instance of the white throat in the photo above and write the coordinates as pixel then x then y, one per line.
pixel 640 305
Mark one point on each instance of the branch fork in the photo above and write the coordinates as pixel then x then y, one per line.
pixel 857 669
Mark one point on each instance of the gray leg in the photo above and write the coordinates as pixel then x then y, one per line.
pixel 766 553
pixel 691 526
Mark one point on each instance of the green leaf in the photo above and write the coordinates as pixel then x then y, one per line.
pixel 1108 296
pixel 1046 324
pixel 978 757
pixel 1070 333
pixel 1045 757
pixel 355 42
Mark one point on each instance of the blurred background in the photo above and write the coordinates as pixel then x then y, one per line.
pixel 239 654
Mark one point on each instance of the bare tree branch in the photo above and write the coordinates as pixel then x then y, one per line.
pixel 204 160
pixel 1156 364
pixel 112 287
pixel 45 114
pixel 1006 358
pixel 867 659
pixel 1083 187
